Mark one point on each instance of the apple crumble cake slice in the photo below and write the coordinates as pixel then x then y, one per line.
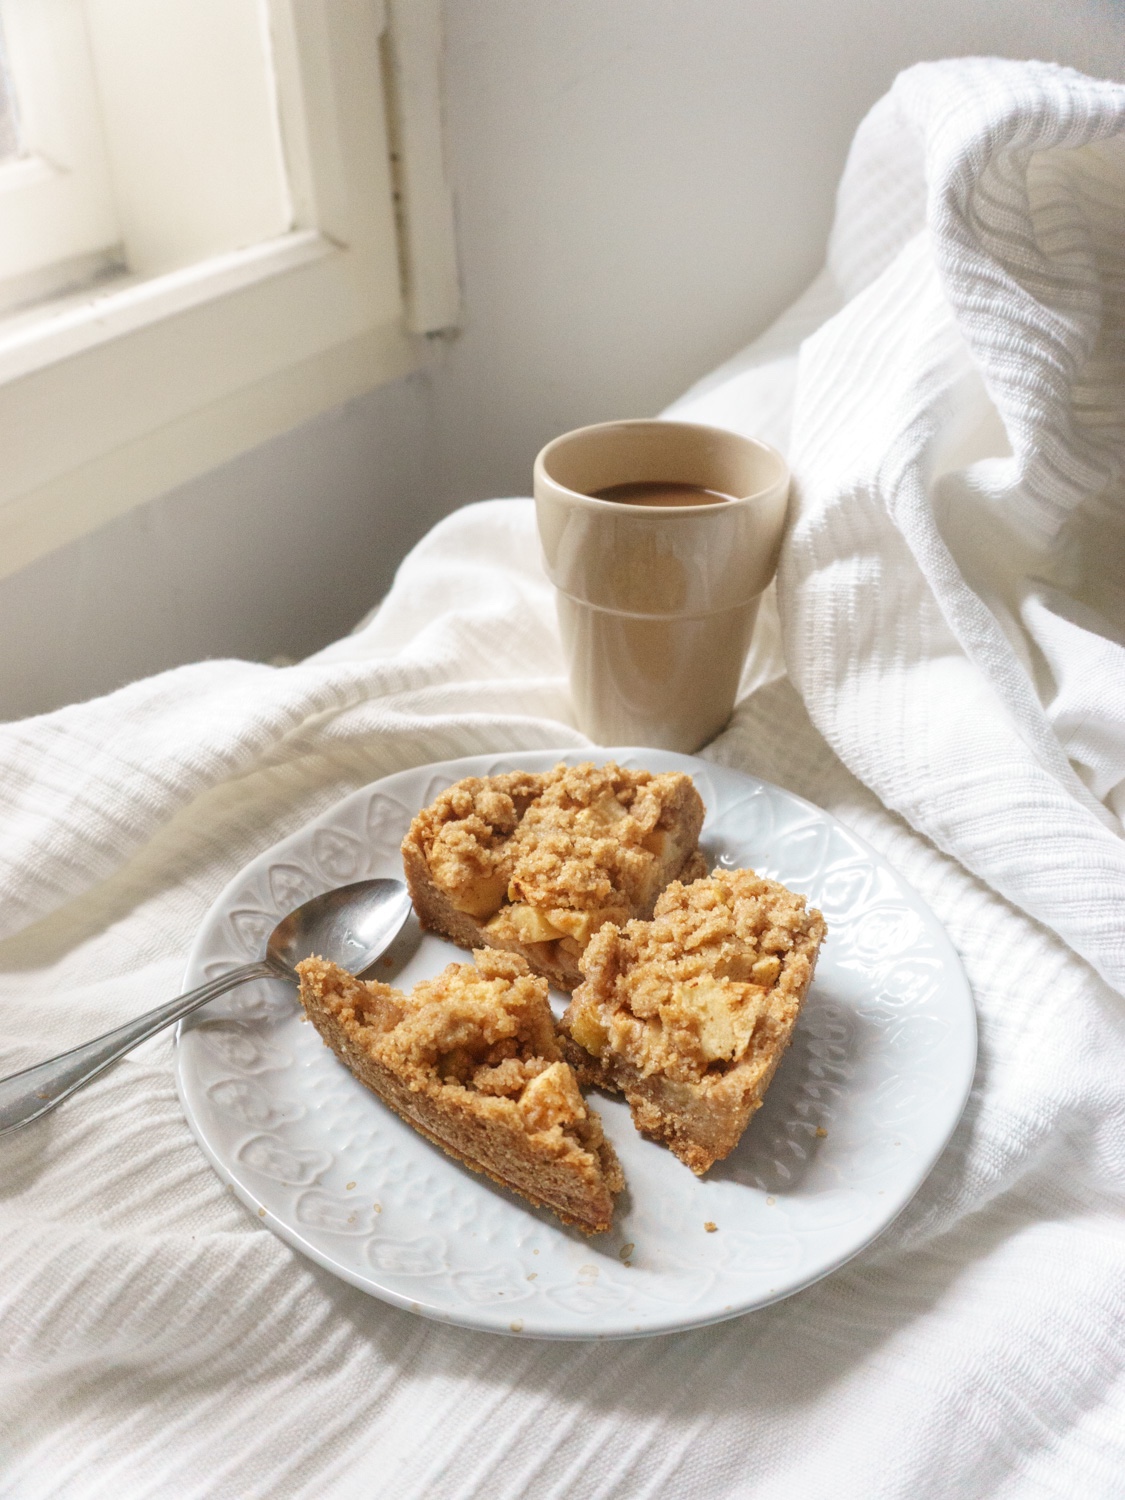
pixel 537 862
pixel 689 1015
pixel 471 1059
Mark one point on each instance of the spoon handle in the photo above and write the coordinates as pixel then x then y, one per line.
pixel 27 1095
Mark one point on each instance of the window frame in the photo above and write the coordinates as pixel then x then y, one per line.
pixel 113 396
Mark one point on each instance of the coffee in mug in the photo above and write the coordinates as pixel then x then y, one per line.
pixel 660 538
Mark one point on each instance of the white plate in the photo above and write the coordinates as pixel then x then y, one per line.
pixel 869 1094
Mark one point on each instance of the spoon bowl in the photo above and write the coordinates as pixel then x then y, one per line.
pixel 352 926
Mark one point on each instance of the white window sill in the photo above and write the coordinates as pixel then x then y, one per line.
pixel 112 396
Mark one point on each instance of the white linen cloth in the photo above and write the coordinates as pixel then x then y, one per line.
pixel 952 606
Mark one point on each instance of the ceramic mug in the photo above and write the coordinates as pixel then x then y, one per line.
pixel 657 604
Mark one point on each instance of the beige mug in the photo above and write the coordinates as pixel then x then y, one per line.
pixel 657 604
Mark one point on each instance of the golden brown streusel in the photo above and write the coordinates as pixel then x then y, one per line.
pixel 689 1014
pixel 537 862
pixel 472 1060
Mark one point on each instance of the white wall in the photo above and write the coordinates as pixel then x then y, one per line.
pixel 641 185
pixel 273 554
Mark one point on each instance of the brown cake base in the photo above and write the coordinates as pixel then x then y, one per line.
pixel 701 1123
pixel 472 1062
pixel 689 1015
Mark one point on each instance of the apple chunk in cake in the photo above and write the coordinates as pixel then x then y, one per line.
pixel 537 862
pixel 472 1060
pixel 689 1015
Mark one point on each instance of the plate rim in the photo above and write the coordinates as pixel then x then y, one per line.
pixel 591 1332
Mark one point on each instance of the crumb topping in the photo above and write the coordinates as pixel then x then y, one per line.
pixel 553 856
pixel 483 1029
pixel 713 978
pixel 466 835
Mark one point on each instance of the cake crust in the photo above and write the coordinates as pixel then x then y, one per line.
pixel 471 1060
pixel 690 1014
pixel 535 863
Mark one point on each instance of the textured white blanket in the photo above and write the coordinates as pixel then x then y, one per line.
pixel 952 606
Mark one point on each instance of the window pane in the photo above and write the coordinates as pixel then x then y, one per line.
pixel 9 120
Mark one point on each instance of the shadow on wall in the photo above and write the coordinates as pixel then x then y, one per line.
pixel 278 552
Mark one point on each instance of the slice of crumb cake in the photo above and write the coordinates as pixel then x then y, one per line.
pixel 472 1060
pixel 689 1015
pixel 536 862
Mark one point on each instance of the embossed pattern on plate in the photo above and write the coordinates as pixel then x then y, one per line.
pixel 869 1094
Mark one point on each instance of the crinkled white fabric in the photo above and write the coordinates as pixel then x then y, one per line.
pixel 952 617
pixel 953 589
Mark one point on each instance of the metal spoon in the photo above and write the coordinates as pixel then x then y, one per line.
pixel 351 926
